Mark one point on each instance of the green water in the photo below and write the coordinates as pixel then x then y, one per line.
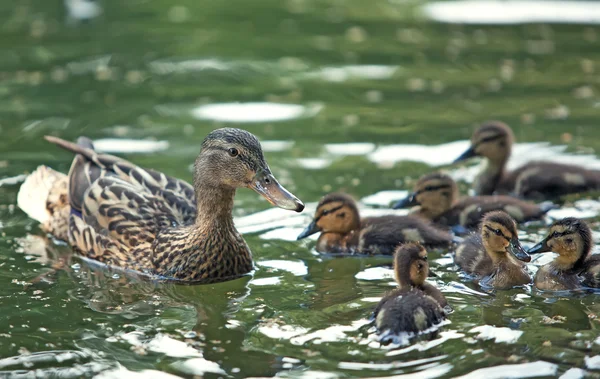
pixel 114 77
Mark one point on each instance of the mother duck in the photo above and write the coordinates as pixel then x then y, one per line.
pixel 139 219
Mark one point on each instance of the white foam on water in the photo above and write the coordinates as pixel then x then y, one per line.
pixel 198 366
pixel 593 363
pixel 358 148
pixel 385 198
pixel 344 73
pixel 313 163
pixel 123 145
pixel 266 281
pixel 276 331
pixel 513 12
pixel 276 146
pixel 162 343
pixel 331 334
pixel 123 373
pixel 254 112
pixel 285 234
pixel 573 373
pixel 504 335
pixel 524 370
pixel 298 268
pixel 375 273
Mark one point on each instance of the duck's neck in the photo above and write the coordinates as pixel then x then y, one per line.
pixel 488 180
pixel 214 206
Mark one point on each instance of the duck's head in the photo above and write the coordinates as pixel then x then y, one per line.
pixel 232 158
pixel 499 235
pixel 570 238
pixel 492 140
pixel 434 192
pixel 336 213
pixel 410 265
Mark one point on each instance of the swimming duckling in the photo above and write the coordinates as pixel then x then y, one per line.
pixel 571 239
pixel 490 254
pixel 436 196
pixel 415 306
pixel 343 231
pixel 535 180
pixel 142 220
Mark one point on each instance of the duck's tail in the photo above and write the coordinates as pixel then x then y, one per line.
pixel 37 192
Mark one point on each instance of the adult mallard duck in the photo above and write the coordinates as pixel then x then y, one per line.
pixel 536 180
pixel 490 254
pixel 571 239
pixel 343 231
pixel 415 306
pixel 139 219
pixel 436 198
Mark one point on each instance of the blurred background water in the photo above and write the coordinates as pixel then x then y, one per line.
pixel 353 95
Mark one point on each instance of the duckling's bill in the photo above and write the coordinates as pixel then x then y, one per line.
pixel 265 184
pixel 311 229
pixel 540 247
pixel 517 250
pixel 409 201
pixel 470 153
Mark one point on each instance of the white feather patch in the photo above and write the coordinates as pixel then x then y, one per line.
pixel 35 190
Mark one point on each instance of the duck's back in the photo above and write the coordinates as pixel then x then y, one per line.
pixel 403 314
pixel 469 211
pixel 591 272
pixel 471 257
pixel 381 235
pixel 539 180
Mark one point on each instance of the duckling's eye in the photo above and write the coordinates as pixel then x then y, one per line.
pixel 569 240
pixel 554 235
pixel 419 266
pixel 498 232
pixel 429 188
pixel 341 215
pixel 233 152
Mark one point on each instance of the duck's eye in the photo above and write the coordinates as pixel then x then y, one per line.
pixel 569 240
pixel 419 266
pixel 341 215
pixel 429 188
pixel 498 232
pixel 233 152
pixel 554 235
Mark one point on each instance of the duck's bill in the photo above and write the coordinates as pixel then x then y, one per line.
pixel 541 247
pixel 309 231
pixel 268 187
pixel 409 201
pixel 470 153
pixel 517 251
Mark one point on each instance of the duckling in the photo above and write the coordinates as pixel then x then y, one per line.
pixel 490 254
pixel 142 220
pixel 436 196
pixel 416 305
pixel 571 239
pixel 535 180
pixel 343 231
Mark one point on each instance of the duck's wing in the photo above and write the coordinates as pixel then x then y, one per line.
pixel 119 223
pixel 88 166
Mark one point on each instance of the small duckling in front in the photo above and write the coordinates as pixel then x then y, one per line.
pixel 571 239
pixel 436 198
pixel 493 140
pixel 490 254
pixel 415 306
pixel 343 231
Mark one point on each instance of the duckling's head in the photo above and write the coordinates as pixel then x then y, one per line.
pixel 232 158
pixel 336 213
pixel 499 235
pixel 410 265
pixel 492 140
pixel 435 193
pixel 570 238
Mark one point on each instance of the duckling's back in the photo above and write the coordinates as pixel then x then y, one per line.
pixel 381 235
pixel 469 211
pixel 591 272
pixel 404 314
